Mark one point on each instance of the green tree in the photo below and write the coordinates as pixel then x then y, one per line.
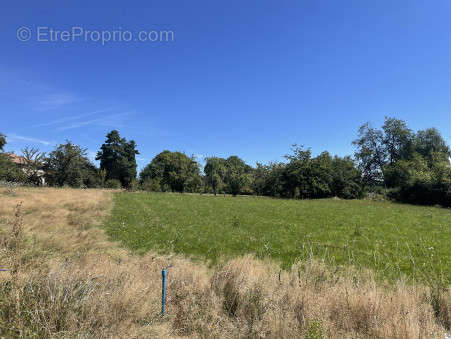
pixel 174 171
pixel 9 171
pixel 346 182
pixel 2 141
pixel 117 158
pixel 428 142
pixel 414 167
pixel 152 185
pixel 102 175
pixel 274 179
pixel 371 154
pixel 297 173
pixel 68 165
pixel 260 177
pixel 112 183
pixel 321 176
pixel 420 181
pixel 194 183
pixel 237 175
pixel 215 169
pixel 33 165
pixel 379 150
pixel 397 140
pixel 305 176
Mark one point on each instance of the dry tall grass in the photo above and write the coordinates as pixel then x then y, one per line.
pixel 67 280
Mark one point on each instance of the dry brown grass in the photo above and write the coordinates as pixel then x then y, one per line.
pixel 72 282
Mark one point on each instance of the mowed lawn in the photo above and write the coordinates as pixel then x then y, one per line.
pixel 387 237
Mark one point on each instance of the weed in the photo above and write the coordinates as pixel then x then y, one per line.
pixel 315 330
pixel 72 282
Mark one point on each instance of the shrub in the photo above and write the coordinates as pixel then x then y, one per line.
pixel 133 186
pixel 422 193
pixel 93 181
pixel 151 185
pixel 9 171
pixel 113 183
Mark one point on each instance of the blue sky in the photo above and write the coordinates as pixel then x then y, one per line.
pixel 240 77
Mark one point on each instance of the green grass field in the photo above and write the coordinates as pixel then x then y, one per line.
pixel 387 237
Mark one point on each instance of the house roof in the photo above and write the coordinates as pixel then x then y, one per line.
pixel 18 159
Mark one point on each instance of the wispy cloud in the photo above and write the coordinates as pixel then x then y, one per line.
pixel 12 137
pixel 113 120
pixel 25 89
pixel 46 102
pixel 72 118
pixel 80 124
pixel 77 121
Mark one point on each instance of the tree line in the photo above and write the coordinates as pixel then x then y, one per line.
pixel 394 161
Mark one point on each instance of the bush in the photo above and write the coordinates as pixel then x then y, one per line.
pixel 422 193
pixel 113 183
pixel 133 186
pixel 151 185
pixel 351 190
pixel 9 171
pixel 93 181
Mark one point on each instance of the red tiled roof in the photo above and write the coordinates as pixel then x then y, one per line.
pixel 18 159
